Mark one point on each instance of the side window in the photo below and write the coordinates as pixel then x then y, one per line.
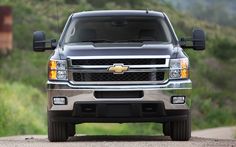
pixel 70 34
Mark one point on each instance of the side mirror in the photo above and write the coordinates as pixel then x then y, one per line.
pixel 198 39
pixel 40 44
pixel 197 42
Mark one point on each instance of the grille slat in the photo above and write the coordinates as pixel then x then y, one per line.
pixel 123 61
pixel 129 76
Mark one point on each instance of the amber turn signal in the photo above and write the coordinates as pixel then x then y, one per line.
pixel 52 64
pixel 52 74
pixel 184 73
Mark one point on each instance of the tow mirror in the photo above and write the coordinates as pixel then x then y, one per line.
pixel 40 44
pixel 197 42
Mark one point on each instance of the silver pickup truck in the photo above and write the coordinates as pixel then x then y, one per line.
pixel 119 66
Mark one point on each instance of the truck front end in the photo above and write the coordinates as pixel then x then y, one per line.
pixel 118 67
pixel 119 88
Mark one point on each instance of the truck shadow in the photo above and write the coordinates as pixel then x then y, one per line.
pixel 118 138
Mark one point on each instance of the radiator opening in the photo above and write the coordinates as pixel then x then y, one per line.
pixel 118 94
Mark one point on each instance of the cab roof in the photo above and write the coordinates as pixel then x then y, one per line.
pixel 117 13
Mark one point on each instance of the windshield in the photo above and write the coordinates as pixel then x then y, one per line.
pixel 117 29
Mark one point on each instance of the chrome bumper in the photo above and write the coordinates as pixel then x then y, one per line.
pixel 178 84
pixel 82 93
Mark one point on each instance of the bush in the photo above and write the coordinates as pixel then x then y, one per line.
pixel 22 110
pixel 224 49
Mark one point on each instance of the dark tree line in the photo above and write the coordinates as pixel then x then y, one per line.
pixel 216 11
pixel 101 3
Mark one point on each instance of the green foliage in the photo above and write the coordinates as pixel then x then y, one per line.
pixel 22 109
pixel 26 67
pixel 224 49
pixel 217 11
pixel 132 4
pixel 211 112
pixel 120 129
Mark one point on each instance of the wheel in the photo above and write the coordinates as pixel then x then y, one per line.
pixel 57 131
pixel 71 129
pixel 181 129
pixel 166 128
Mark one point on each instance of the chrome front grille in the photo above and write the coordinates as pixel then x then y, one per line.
pixel 142 70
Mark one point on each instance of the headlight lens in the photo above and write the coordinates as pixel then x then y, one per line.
pixel 179 68
pixel 57 70
pixel 61 65
pixel 61 75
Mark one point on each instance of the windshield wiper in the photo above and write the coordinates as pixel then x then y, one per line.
pixel 97 40
pixel 105 40
pixel 137 40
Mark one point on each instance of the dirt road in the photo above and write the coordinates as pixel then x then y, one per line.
pixel 117 141
pixel 217 133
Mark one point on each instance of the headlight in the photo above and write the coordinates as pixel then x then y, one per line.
pixel 179 68
pixel 57 70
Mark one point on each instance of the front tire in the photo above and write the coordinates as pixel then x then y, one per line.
pixel 166 128
pixel 71 129
pixel 57 131
pixel 181 129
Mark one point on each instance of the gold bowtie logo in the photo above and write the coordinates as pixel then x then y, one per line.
pixel 118 68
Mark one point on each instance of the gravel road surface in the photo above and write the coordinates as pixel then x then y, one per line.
pixel 217 133
pixel 121 141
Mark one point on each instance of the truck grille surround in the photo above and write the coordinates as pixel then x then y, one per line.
pixel 87 71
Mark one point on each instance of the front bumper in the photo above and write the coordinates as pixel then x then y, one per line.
pixel 160 116
pixel 170 85
pixel 160 93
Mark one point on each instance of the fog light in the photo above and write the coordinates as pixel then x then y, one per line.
pixel 178 99
pixel 59 101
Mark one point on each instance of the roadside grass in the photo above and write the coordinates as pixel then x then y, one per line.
pixel 26 67
pixel 22 109
pixel 119 129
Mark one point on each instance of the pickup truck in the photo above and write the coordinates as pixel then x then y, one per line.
pixel 119 66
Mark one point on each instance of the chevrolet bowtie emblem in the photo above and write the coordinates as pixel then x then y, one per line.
pixel 118 68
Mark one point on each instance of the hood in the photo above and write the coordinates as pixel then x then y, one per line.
pixel 117 49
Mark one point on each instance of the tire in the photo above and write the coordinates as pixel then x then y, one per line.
pixel 181 129
pixel 166 128
pixel 71 129
pixel 57 131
